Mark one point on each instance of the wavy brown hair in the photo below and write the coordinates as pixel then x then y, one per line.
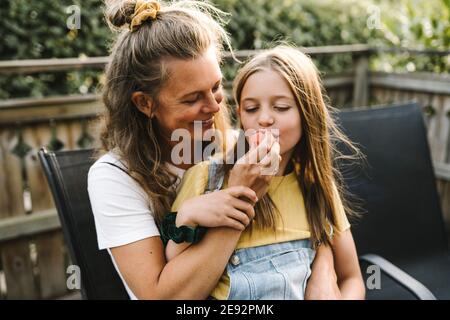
pixel 182 30
pixel 316 154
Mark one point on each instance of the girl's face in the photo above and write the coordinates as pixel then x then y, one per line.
pixel 193 92
pixel 268 103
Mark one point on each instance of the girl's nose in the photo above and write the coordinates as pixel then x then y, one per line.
pixel 266 120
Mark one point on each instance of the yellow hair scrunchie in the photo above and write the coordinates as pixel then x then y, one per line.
pixel 143 10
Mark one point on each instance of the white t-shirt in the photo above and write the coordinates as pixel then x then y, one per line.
pixel 122 210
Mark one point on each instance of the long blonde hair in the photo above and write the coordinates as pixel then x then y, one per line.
pixel 183 30
pixel 314 157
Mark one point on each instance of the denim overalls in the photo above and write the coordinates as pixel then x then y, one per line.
pixel 276 271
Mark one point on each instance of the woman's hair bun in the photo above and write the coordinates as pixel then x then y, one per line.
pixel 118 13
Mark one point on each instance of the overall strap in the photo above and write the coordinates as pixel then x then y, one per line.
pixel 216 174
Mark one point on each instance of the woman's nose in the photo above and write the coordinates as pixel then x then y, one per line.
pixel 212 105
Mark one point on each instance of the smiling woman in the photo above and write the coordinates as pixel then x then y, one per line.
pixel 193 92
pixel 164 75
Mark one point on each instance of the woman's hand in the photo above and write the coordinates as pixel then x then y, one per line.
pixel 224 208
pixel 322 284
pixel 256 168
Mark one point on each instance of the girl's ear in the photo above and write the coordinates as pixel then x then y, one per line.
pixel 143 102
pixel 238 110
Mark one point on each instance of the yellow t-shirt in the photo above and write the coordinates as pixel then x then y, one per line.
pixel 288 199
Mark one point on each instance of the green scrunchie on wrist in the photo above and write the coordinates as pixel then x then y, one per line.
pixel 169 231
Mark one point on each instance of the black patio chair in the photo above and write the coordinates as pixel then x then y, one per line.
pixel 402 231
pixel 66 173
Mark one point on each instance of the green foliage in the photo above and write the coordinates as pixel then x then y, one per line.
pixel 421 24
pixel 37 30
pixel 255 23
pixel 258 24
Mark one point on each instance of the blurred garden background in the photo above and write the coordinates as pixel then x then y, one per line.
pixel 53 52
pixel 38 30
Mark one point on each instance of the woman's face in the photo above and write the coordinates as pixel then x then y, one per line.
pixel 267 103
pixel 193 92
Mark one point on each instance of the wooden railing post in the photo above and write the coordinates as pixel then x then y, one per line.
pixel 361 81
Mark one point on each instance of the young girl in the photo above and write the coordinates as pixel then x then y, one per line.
pixel 279 90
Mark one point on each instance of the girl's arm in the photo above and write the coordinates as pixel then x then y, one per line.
pixel 346 262
pixel 322 284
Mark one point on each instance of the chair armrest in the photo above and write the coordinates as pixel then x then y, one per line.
pixel 399 276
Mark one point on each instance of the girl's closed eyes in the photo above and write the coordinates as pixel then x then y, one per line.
pixel 280 108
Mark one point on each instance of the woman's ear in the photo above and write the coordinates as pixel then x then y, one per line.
pixel 143 102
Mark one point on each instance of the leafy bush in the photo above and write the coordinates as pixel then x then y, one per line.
pixel 418 24
pixel 37 30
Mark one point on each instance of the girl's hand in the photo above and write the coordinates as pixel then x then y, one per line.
pixel 223 208
pixel 251 170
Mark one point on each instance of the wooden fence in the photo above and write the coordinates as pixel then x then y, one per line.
pixel 433 93
pixel 33 258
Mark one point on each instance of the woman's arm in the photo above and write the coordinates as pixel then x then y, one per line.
pixel 194 273
pixel 348 272
pixel 174 249
pixel 191 275
pixel 237 217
